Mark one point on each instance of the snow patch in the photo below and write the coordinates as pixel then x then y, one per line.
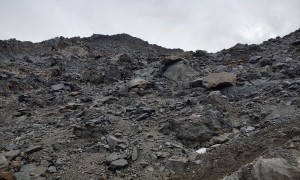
pixel 201 150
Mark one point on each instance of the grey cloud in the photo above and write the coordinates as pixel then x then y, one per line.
pixel 196 24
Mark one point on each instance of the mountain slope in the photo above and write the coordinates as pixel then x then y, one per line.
pixel 117 107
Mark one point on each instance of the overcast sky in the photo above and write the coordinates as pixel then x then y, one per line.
pixel 210 25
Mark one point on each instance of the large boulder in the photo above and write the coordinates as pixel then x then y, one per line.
pixel 194 134
pixel 275 169
pixel 219 80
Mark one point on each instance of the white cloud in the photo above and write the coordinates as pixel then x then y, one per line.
pixel 196 24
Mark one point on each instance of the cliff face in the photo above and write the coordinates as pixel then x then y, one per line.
pixel 112 107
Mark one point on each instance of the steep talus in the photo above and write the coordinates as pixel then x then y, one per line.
pixel 117 107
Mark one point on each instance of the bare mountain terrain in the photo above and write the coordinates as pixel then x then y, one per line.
pixel 117 107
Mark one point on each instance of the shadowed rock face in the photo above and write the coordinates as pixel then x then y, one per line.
pixel 118 107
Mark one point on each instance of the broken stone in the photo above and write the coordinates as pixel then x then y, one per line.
pixel 142 117
pixel 254 59
pixel 193 155
pixel 168 60
pixel 33 149
pixel 196 83
pixel 57 87
pixel 52 169
pixel 162 154
pixel 45 163
pixel 60 161
pixel 176 164
pixel 192 133
pixel 115 156
pixel 30 171
pixel 12 154
pixel 249 129
pixel 134 154
pixel 216 146
pixel 117 164
pixel 221 139
pixel 150 168
pixel 179 72
pixel 171 145
pixel 137 83
pixel 219 80
pixel 113 141
pixel 3 162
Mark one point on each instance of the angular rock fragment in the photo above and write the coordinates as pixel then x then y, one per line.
pixel 30 171
pixel 254 59
pixel 194 134
pixel 125 58
pixel 12 154
pixel 115 156
pixel 168 60
pixel 219 80
pixel 113 141
pixel 179 72
pixel 57 87
pixel 3 163
pixel 117 164
pixel 52 169
pixel 176 163
pixel 196 83
pixel 134 154
pixel 137 83
pixel 33 148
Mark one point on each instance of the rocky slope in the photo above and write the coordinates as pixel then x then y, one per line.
pixel 117 107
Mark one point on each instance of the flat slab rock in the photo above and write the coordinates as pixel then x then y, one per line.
pixel 120 163
pixel 33 148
